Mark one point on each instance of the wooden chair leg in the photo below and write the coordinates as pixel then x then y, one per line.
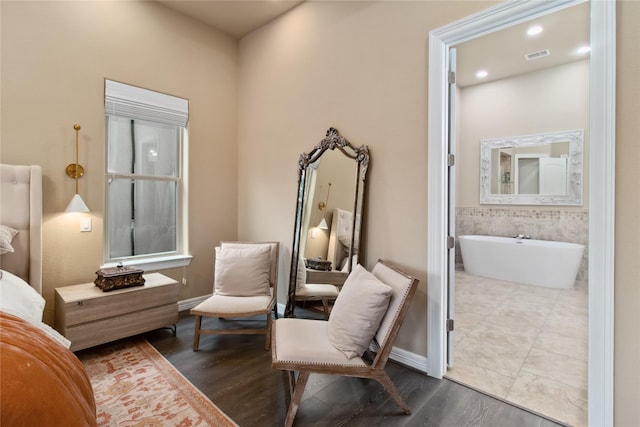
pixel 267 343
pixel 196 334
pixel 393 392
pixel 325 305
pixel 291 382
pixel 301 383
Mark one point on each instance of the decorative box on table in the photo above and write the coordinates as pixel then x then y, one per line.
pixel 119 277
pixel 318 264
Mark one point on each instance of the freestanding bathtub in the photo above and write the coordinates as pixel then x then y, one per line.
pixel 532 262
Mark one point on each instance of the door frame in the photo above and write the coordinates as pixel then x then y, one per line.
pixel 516 169
pixel 601 184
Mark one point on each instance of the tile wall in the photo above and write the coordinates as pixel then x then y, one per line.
pixel 558 224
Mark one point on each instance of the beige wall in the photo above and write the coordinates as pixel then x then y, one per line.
pixel 551 100
pixel 362 67
pixel 359 66
pixel 55 56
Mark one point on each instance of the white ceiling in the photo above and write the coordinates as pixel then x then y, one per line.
pixel 502 53
pixel 234 17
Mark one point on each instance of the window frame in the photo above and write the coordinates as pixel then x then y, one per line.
pixel 161 260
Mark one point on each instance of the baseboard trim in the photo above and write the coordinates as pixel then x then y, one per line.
pixel 188 304
pixel 409 359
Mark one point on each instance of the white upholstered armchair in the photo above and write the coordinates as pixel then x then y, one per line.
pixel 245 285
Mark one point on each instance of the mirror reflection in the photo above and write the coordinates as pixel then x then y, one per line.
pixel 331 184
pixel 328 223
pixel 532 169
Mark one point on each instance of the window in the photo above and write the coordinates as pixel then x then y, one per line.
pixel 145 220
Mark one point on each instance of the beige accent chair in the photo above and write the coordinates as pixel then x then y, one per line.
pixel 245 285
pixel 318 292
pixel 324 292
pixel 315 346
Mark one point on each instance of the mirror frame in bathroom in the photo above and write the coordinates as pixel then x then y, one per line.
pixel 574 169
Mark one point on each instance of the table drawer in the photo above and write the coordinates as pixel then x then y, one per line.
pixel 111 304
pixel 114 328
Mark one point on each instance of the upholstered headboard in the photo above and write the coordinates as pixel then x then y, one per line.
pixel 340 238
pixel 21 209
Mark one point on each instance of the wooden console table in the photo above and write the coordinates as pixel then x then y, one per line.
pixel 87 316
pixel 328 277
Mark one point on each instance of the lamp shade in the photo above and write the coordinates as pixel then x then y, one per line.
pixel 323 224
pixel 77 205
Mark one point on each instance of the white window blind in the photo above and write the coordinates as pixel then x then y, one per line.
pixel 137 103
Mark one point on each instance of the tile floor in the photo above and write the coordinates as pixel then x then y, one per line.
pixel 525 344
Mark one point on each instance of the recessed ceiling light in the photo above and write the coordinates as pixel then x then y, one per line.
pixel 534 30
pixel 583 49
pixel 482 74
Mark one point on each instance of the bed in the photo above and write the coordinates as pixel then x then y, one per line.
pixel 41 380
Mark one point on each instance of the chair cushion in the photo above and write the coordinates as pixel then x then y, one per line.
pixel 401 286
pixel 273 246
pixel 225 306
pixel 307 341
pixel 319 290
pixel 242 271
pixel 357 312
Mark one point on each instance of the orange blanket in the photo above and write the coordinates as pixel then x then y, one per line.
pixel 42 383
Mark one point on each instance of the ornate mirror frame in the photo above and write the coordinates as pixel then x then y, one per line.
pixel 573 197
pixel 360 155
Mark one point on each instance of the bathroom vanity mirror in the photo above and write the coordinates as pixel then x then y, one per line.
pixel 541 169
pixel 329 212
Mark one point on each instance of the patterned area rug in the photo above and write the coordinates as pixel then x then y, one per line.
pixel 135 385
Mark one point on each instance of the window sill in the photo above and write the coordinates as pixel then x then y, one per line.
pixel 156 263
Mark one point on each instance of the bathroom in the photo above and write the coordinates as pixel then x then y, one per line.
pixel 525 344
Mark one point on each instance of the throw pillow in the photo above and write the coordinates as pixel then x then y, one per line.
pixel 357 312
pixel 242 271
pixel 301 275
pixel 6 236
pixel 20 299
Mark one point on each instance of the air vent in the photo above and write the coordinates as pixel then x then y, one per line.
pixel 537 55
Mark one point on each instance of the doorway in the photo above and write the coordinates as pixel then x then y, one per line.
pixel 513 340
pixel 601 192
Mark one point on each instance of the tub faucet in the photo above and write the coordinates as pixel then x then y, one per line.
pixel 521 236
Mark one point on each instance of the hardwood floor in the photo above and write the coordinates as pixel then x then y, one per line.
pixel 234 371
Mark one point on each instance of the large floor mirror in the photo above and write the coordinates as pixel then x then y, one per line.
pixel 329 216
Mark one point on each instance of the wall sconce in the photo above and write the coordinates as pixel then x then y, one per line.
pixel 323 207
pixel 75 171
